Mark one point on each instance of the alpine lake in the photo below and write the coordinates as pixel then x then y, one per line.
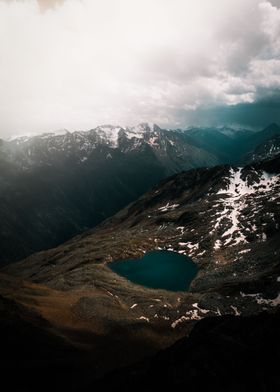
pixel 158 270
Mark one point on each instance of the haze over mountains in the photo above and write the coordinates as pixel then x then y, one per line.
pixel 56 186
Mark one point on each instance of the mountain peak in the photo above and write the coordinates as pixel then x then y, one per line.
pixel 273 127
pixel 147 127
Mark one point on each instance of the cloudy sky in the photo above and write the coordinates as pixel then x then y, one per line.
pixel 76 64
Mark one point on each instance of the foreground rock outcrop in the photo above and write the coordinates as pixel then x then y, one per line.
pixel 223 354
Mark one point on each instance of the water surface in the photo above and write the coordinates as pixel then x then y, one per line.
pixel 158 270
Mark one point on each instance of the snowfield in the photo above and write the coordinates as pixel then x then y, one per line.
pixel 237 196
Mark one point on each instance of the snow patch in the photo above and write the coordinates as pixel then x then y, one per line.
pixel 193 314
pixel 236 311
pixel 244 251
pixel 263 301
pixel 217 244
pixel 144 318
pixel 168 207
pixel 181 228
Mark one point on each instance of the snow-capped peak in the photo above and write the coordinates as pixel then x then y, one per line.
pixel 109 134
pixel 144 127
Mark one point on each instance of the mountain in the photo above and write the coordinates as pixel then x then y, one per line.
pixel 170 147
pixel 89 318
pixel 267 150
pixel 224 142
pixel 257 141
pixel 230 145
pixel 53 187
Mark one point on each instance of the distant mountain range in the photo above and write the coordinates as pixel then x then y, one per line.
pixel 53 187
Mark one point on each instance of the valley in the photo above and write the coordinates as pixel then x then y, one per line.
pixel 225 218
pixel 80 313
pixel 53 187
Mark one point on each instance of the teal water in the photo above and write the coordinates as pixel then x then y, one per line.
pixel 158 270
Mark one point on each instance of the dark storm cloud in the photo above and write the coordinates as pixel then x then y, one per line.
pixel 255 115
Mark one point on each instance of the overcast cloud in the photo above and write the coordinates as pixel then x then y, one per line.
pixel 83 63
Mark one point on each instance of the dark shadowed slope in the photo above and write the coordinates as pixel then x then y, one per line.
pixel 53 187
pixel 223 354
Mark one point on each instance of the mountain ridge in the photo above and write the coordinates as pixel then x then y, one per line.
pixel 54 187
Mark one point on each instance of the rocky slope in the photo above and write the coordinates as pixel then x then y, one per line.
pixel 267 150
pixel 257 145
pixel 224 353
pixel 226 218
